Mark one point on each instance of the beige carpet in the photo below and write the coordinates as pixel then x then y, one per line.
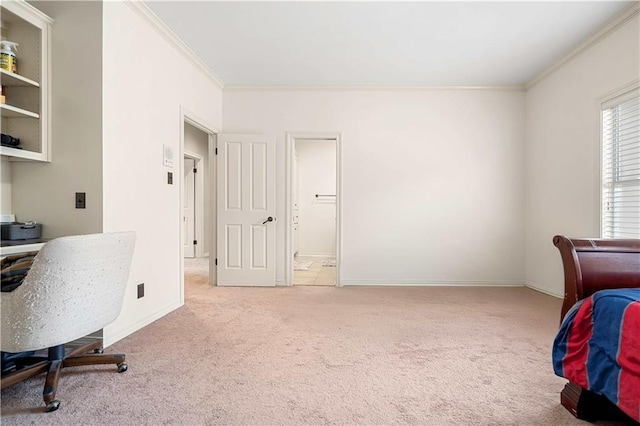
pixel 322 355
pixel 196 266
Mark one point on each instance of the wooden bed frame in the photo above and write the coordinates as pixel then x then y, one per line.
pixel 591 265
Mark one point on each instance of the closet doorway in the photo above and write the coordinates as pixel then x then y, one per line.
pixel 313 209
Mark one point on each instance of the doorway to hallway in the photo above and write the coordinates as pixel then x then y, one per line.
pixel 197 192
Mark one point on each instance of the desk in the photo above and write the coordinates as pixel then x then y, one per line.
pixel 8 247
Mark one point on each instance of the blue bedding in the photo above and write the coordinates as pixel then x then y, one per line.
pixel 598 347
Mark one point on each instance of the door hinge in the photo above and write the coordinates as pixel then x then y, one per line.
pixel 195 242
pixel 195 170
pixel 216 151
pixel 216 261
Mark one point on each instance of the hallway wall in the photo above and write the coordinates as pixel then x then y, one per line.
pixel 137 195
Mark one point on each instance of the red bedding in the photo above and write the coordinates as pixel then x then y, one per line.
pixel 598 347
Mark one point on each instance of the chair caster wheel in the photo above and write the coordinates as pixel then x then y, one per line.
pixel 122 367
pixel 98 351
pixel 53 405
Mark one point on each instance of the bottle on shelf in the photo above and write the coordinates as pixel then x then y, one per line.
pixel 8 56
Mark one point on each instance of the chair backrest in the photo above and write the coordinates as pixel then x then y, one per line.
pixel 75 287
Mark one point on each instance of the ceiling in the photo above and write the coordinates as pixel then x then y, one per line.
pixel 441 43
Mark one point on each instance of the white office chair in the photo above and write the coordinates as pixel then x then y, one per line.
pixel 75 287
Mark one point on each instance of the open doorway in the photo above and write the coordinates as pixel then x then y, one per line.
pixel 198 195
pixel 193 208
pixel 313 207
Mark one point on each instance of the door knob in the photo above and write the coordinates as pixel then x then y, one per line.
pixel 269 219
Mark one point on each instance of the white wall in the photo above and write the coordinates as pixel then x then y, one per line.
pixel 146 82
pixel 45 192
pixel 197 142
pixel 317 175
pixel 562 121
pixel 433 180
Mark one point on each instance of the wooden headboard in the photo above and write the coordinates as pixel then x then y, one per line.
pixel 596 264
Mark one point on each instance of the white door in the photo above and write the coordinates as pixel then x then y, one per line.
pixel 188 208
pixel 246 206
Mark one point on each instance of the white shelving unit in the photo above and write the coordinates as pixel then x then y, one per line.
pixel 12 79
pixel 26 113
pixel 13 112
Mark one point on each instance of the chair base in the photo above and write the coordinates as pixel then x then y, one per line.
pixel 54 362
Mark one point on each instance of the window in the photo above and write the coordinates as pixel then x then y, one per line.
pixel 621 166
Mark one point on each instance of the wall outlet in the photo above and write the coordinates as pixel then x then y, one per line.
pixel 140 290
pixel 81 200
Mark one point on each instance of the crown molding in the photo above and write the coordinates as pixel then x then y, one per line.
pixel 21 6
pixel 161 28
pixel 605 30
pixel 346 87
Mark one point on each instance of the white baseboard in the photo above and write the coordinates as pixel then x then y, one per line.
pixel 550 293
pixel 121 334
pixel 316 254
pixel 280 283
pixel 441 283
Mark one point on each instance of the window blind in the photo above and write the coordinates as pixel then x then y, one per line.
pixel 621 167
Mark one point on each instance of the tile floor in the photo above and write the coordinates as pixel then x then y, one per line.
pixel 316 274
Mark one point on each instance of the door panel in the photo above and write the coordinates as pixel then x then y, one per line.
pixel 258 176
pixel 233 163
pixel 259 246
pixel 234 247
pixel 246 189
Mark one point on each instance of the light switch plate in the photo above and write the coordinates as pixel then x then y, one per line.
pixel 167 155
